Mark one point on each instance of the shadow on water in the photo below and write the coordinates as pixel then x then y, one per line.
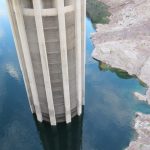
pixel 61 137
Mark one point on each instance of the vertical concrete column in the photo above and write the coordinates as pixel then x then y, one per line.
pixel 44 60
pixel 78 54
pixel 19 52
pixel 27 57
pixel 64 59
pixel 83 35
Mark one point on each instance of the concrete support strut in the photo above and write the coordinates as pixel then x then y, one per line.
pixel 83 38
pixel 27 57
pixel 44 60
pixel 78 54
pixel 20 54
pixel 64 60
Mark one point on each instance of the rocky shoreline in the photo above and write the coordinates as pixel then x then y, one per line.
pixel 124 43
pixel 142 127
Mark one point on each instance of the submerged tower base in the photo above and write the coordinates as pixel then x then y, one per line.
pixel 50 41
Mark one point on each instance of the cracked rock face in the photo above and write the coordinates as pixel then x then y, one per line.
pixel 142 127
pixel 124 43
pixel 123 54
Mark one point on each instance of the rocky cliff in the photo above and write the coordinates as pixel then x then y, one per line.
pixel 125 42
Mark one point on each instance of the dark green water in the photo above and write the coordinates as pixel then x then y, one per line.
pixel 108 113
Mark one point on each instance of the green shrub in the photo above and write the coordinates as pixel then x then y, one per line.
pixel 97 12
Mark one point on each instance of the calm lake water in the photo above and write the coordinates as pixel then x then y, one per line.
pixel 108 114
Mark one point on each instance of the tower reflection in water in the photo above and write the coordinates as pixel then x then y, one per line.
pixel 61 137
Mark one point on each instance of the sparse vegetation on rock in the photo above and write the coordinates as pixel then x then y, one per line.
pixel 97 11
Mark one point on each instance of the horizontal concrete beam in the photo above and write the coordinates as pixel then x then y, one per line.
pixel 47 12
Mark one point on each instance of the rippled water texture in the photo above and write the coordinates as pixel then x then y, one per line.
pixel 108 114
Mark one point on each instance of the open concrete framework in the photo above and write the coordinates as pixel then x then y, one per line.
pixel 50 42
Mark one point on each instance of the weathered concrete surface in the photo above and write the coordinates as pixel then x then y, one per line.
pixel 142 127
pixel 124 43
pixel 48 42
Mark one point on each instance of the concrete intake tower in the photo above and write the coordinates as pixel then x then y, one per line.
pixel 50 40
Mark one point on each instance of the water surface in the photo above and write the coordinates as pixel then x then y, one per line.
pixel 108 113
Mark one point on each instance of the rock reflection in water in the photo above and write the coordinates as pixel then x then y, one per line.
pixel 61 137
pixel 120 73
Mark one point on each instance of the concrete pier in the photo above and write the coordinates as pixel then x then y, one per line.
pixel 50 41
